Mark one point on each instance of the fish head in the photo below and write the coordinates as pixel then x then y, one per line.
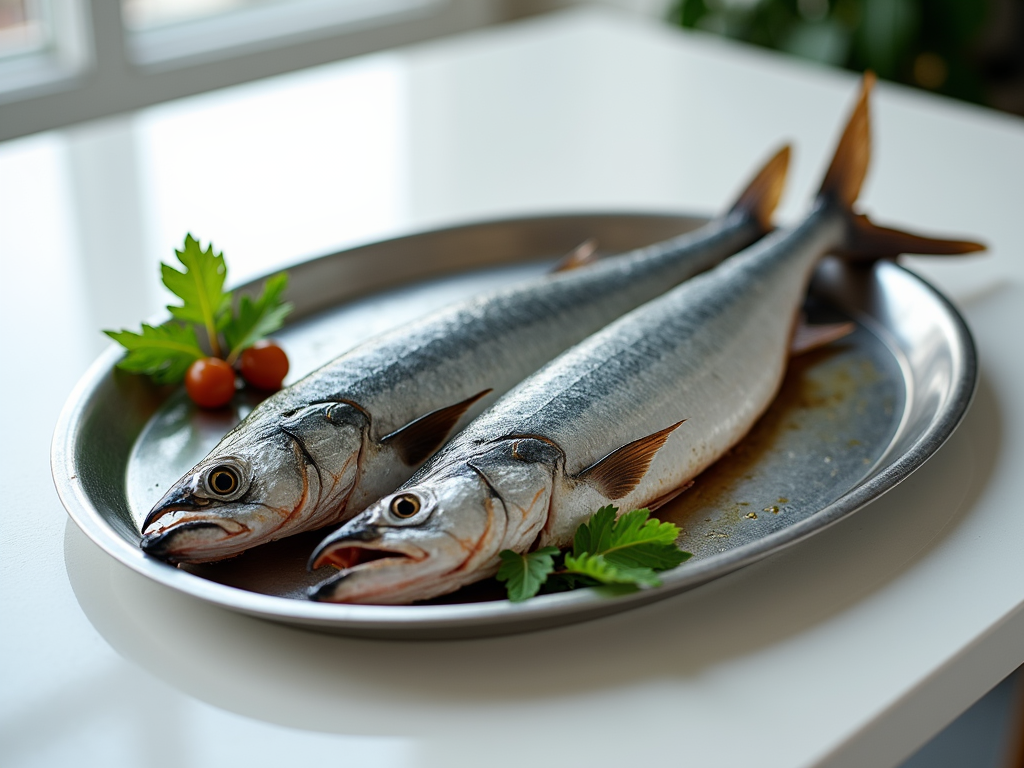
pixel 444 528
pixel 262 482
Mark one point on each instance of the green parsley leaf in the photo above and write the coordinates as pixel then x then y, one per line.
pixel 164 351
pixel 257 319
pixel 631 541
pixel 614 554
pixel 524 574
pixel 201 289
pixel 601 569
pixel 563 581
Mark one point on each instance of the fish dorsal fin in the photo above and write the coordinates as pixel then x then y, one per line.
pixel 853 154
pixel 810 337
pixel 418 439
pixel 763 193
pixel 621 471
pixel 583 254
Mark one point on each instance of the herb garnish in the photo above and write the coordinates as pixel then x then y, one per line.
pixel 629 551
pixel 166 352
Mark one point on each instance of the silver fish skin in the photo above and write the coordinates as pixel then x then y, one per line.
pixel 321 450
pixel 627 417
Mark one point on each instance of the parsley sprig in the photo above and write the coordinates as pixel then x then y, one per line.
pixel 200 287
pixel 164 352
pixel 627 551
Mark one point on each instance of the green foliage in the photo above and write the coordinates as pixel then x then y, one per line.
pixel 257 319
pixel 924 43
pixel 524 574
pixel 200 288
pixel 163 352
pixel 603 571
pixel 631 541
pixel 623 552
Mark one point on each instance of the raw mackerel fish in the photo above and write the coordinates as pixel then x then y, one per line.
pixel 628 417
pixel 323 449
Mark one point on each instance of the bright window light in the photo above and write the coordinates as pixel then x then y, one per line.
pixel 43 45
pixel 22 27
pixel 150 14
pixel 69 61
pixel 169 33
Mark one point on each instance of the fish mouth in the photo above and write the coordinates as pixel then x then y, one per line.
pixel 175 501
pixel 354 558
pixel 351 554
pixel 175 542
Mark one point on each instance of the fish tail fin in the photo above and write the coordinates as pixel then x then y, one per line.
pixel 761 196
pixel 844 177
pixel 865 240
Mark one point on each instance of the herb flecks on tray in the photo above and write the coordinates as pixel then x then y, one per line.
pixel 628 551
pixel 230 334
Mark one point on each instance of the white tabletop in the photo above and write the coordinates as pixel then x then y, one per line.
pixel 850 649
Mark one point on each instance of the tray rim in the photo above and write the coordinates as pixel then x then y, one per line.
pixel 495 617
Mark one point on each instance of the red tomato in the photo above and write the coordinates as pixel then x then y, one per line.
pixel 264 365
pixel 210 382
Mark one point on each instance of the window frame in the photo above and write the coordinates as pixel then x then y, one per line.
pixel 97 68
pixel 274 25
pixel 64 55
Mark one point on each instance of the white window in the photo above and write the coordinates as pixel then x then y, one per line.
pixel 43 45
pixel 64 61
pixel 169 31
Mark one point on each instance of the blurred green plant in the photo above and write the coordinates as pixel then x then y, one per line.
pixel 924 43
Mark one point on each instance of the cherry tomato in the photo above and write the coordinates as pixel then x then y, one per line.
pixel 210 382
pixel 264 365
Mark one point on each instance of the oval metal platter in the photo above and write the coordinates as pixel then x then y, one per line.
pixel 851 421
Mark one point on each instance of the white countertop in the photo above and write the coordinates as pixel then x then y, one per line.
pixel 850 649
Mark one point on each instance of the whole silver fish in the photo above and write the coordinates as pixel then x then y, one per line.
pixel 628 417
pixel 321 450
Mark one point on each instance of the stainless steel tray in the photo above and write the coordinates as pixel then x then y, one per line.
pixel 850 423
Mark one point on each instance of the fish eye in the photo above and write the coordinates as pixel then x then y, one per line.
pixel 405 506
pixel 223 480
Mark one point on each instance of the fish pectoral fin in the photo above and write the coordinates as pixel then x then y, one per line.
pixel 583 254
pixel 810 337
pixel 621 471
pixel 419 438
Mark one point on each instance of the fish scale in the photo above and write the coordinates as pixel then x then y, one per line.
pixel 321 450
pixel 651 354
pixel 482 341
pixel 711 351
pixel 628 417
